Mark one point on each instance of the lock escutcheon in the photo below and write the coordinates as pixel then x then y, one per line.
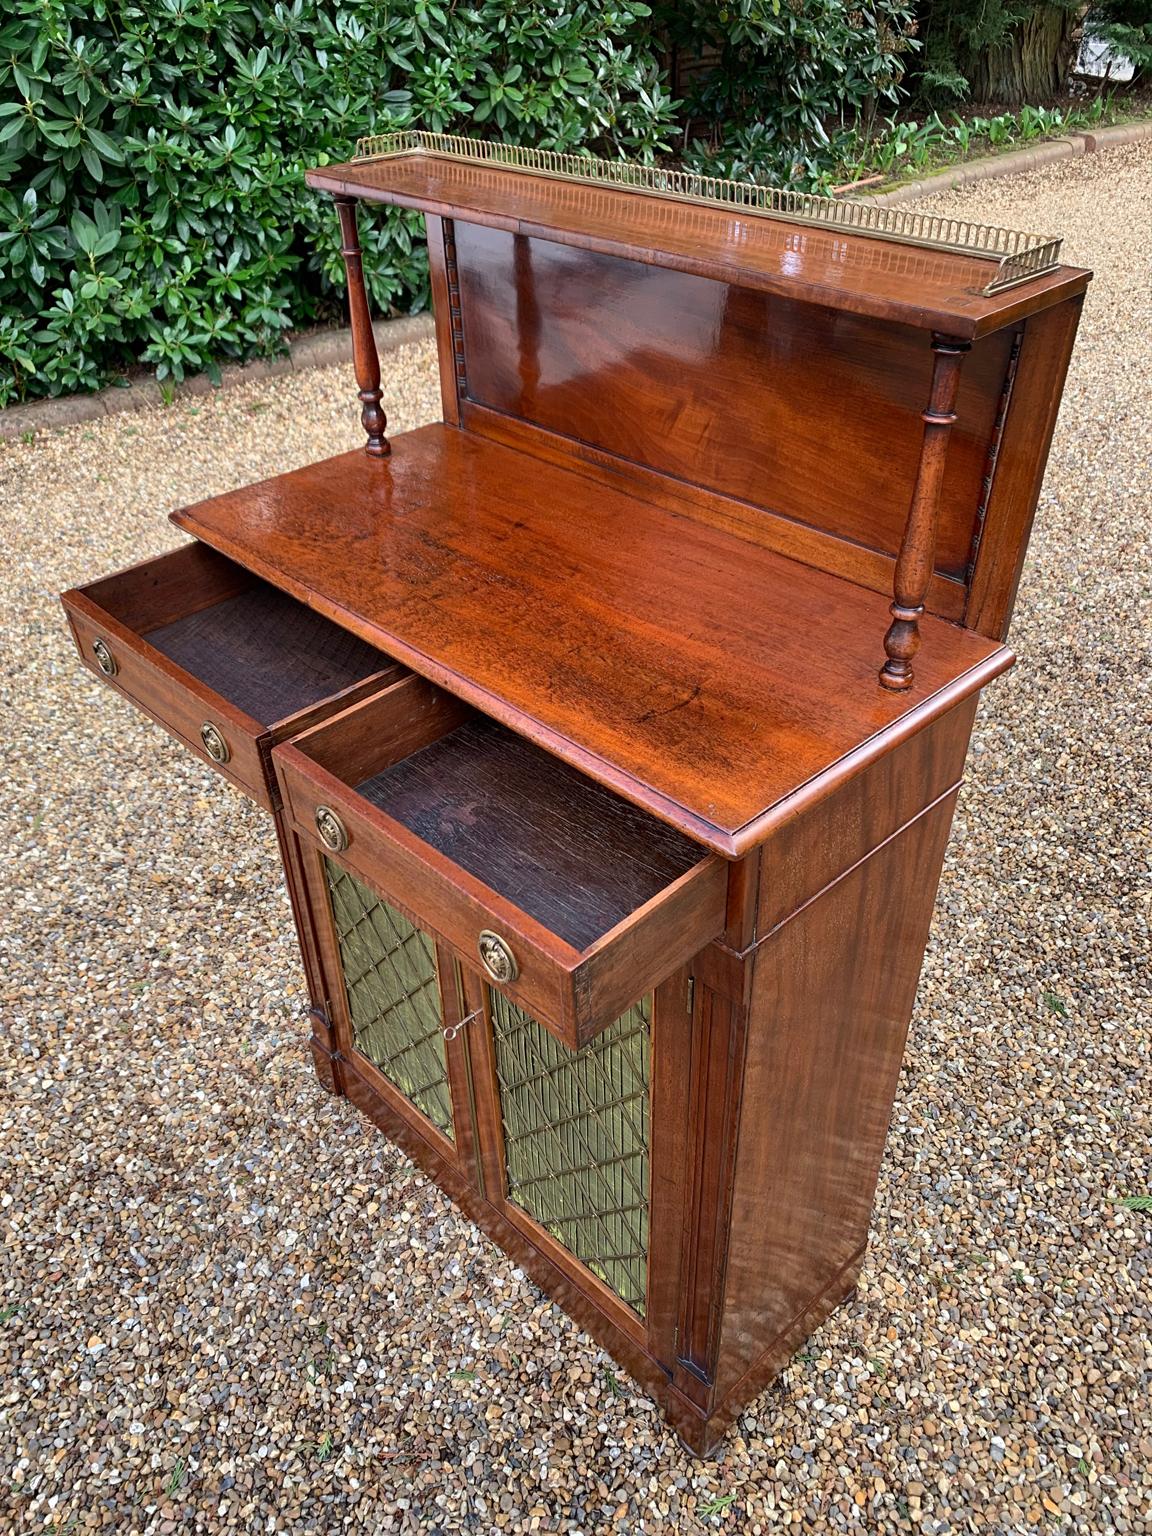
pixel 214 744
pixel 104 658
pixel 498 960
pixel 333 832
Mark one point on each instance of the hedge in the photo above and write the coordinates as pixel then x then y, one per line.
pixel 152 205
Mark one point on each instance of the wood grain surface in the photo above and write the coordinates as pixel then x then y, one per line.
pixel 713 682
pixel 267 653
pixel 565 849
pixel 935 289
pixel 198 640
pixel 576 989
pixel 724 387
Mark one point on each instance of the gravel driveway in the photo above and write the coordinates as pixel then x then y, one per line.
pixel 227 1304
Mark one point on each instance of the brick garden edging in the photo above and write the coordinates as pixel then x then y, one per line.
pixel 327 347
pixel 316 351
pixel 1019 161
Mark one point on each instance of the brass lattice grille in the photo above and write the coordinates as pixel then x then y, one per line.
pixel 576 1139
pixel 393 998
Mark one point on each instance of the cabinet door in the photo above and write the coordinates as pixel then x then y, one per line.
pixel 581 1150
pixel 395 1002
pixel 574 1146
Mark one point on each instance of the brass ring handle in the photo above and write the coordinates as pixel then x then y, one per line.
pixel 104 658
pixel 333 832
pixel 214 744
pixel 496 957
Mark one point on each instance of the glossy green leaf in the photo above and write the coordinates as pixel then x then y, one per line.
pixel 169 221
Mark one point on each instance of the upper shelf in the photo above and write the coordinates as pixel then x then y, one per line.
pixel 790 250
pixel 714 682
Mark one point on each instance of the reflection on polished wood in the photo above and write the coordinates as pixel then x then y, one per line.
pixel 1013 256
pixel 930 289
pixel 601 626
pixel 688 460
pixel 725 388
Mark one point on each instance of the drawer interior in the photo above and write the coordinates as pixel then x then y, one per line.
pixel 266 653
pixel 572 900
pixel 260 649
pixel 566 850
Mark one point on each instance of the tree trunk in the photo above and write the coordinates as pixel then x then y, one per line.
pixel 1031 63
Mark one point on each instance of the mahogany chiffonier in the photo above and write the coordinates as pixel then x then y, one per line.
pixel 614 724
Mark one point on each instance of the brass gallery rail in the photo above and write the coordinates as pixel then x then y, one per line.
pixel 1019 256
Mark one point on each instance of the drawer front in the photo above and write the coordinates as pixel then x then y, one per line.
pixel 199 718
pixel 577 993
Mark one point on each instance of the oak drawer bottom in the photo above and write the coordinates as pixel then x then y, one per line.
pixel 268 654
pixel 572 901
pixel 565 849
pixel 229 664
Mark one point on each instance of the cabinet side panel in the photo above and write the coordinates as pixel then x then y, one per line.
pixel 446 313
pixel 806 854
pixel 798 409
pixel 1018 474
pixel 832 994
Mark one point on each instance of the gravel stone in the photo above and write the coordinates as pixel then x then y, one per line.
pixel 228 1305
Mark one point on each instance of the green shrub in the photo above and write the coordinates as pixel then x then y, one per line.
pixel 152 204
pixel 902 146
pixel 793 84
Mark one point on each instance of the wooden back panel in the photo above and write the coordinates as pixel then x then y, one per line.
pixel 799 410
pixel 796 425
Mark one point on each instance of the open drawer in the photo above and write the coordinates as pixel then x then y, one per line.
pixel 574 902
pixel 228 663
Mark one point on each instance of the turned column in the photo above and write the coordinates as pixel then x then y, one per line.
pixel 364 355
pixel 917 557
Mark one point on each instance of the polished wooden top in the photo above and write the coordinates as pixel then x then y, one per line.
pixel 863 275
pixel 718 684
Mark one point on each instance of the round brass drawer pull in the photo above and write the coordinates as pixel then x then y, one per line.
pixel 214 744
pixel 105 659
pixel 333 832
pixel 497 958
